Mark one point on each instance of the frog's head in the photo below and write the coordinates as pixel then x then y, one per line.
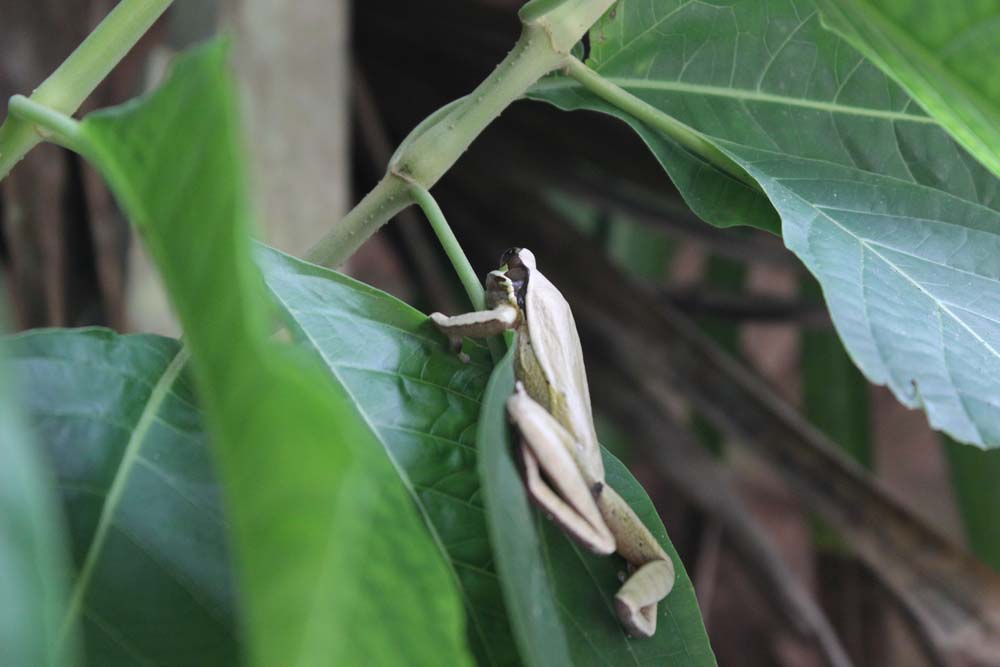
pixel 519 263
pixel 517 258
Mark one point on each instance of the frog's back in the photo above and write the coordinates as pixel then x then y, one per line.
pixel 556 346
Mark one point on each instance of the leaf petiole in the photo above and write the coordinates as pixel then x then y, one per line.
pixel 452 248
pixel 67 87
pixel 58 127
pixel 686 136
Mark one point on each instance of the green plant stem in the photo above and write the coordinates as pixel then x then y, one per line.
pixel 67 87
pixel 647 113
pixel 452 248
pixel 432 149
pixel 550 30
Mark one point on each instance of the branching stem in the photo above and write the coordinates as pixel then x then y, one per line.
pixel 67 87
pixel 550 30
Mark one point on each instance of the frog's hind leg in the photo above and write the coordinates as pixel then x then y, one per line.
pixel 651 570
pixel 562 492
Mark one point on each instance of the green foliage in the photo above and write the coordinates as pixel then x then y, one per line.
pixel 896 221
pixel 944 53
pixel 33 567
pixel 421 402
pixel 327 546
pixel 124 435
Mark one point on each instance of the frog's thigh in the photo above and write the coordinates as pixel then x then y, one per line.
pixel 653 576
pixel 546 448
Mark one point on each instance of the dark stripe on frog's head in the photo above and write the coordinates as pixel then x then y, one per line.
pixel 517 272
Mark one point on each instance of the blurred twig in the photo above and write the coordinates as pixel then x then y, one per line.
pixel 746 307
pixel 657 211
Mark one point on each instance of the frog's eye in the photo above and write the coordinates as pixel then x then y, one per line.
pixel 509 255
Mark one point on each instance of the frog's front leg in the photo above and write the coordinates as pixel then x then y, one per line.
pixel 651 570
pixel 563 493
pixel 477 324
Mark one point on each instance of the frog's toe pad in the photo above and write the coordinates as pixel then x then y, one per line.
pixel 638 621
pixel 637 599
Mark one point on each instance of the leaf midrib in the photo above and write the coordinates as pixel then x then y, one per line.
pixel 741 94
pixel 113 499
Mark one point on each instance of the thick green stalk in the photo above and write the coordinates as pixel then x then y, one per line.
pixel 66 88
pixel 389 197
pixel 550 30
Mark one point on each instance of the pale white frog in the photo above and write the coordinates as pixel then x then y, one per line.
pixel 550 408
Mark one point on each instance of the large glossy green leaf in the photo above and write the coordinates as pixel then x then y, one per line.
pixel 424 404
pixel 124 436
pixel 527 586
pixel 334 566
pixel 899 224
pixel 33 564
pixel 945 54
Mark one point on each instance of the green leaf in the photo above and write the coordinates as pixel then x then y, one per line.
pixel 974 475
pixel 945 54
pixel 424 404
pixel 542 570
pixel 125 439
pixel 334 565
pixel 898 223
pixel 33 567
pixel 534 611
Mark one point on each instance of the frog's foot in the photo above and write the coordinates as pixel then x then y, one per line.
pixel 636 600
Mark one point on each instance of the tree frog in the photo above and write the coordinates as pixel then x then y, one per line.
pixel 550 409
